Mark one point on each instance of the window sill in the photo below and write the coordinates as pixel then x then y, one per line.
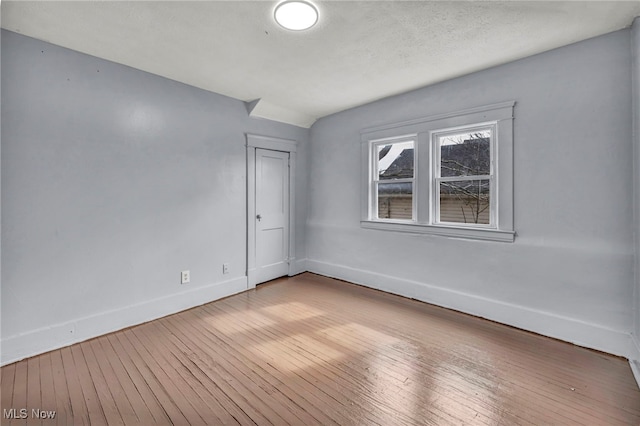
pixel 442 230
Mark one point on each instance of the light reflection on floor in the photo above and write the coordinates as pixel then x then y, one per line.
pixel 292 311
pixel 229 323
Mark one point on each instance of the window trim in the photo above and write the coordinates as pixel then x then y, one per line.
pixel 423 130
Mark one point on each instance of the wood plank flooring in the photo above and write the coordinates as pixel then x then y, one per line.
pixel 312 350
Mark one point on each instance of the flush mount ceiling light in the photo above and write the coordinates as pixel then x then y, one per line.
pixel 296 15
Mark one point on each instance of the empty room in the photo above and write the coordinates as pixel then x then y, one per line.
pixel 314 212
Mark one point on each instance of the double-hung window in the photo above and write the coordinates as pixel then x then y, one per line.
pixel 393 179
pixel 450 174
pixel 464 181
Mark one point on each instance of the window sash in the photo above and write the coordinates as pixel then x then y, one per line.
pixel 459 178
pixel 436 147
pixel 396 219
pixel 492 196
pixel 437 179
pixel 374 178
pixel 403 180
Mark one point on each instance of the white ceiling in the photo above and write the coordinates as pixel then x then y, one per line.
pixel 359 51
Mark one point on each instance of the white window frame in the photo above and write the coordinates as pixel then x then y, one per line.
pixel 374 179
pixel 423 131
pixel 492 177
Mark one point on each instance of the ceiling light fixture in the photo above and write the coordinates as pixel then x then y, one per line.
pixel 296 15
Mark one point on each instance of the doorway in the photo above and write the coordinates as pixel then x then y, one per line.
pixel 270 202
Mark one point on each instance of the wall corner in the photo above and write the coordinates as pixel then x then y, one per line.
pixel 634 359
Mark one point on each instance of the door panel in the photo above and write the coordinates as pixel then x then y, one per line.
pixel 272 214
pixel 270 246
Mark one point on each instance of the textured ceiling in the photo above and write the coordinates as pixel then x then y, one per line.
pixel 357 53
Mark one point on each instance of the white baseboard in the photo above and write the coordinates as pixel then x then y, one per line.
pixel 548 324
pixel 46 339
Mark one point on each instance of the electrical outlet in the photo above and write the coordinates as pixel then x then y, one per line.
pixel 225 268
pixel 185 277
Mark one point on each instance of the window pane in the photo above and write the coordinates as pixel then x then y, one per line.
pixel 465 201
pixel 395 201
pixel 465 154
pixel 395 161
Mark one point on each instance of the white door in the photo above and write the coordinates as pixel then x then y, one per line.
pixel 272 214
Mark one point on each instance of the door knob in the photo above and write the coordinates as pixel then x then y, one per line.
pixel 259 217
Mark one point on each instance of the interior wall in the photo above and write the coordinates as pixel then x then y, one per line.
pixel 635 53
pixel 113 181
pixel 0 193
pixel 569 273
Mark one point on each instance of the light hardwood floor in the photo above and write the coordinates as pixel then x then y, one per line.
pixel 312 350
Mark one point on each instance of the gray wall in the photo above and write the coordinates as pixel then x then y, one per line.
pixel 113 181
pixel 0 192
pixel 569 273
pixel 635 46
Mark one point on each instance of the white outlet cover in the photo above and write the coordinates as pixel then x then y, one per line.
pixel 185 277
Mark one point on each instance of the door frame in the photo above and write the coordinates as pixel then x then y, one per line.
pixel 273 144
